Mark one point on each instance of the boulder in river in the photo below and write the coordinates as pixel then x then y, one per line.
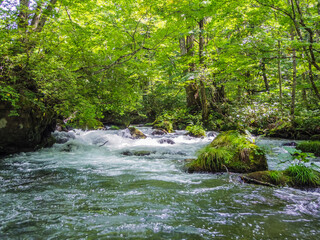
pixel 159 132
pixel 63 137
pixel 136 133
pixel 230 151
pixel 27 132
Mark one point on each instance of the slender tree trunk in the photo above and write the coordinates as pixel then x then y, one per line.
pixel 304 91
pixel 294 82
pixel 264 74
pixel 204 101
pixel 279 75
pixel 311 78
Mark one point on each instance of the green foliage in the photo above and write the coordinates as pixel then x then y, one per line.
pixel 310 147
pixel 119 57
pixel 196 131
pixel 8 94
pixel 303 176
pixel 297 154
pixel 114 127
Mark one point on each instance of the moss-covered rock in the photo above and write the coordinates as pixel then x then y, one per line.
pixel 230 151
pixel 297 176
pixel 136 133
pixel 310 147
pixel 28 131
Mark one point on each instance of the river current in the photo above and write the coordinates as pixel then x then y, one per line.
pixel 98 186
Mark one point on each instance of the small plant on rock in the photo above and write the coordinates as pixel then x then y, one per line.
pixel 196 131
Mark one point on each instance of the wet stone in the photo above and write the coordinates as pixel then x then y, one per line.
pixel 158 132
pixel 137 153
pixel 168 141
pixel 290 144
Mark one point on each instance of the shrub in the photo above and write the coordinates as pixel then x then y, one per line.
pixel 196 131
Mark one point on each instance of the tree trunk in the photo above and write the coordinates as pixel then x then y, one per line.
pixel 192 91
pixel 294 82
pixel 264 74
pixel 204 101
pixel 23 14
pixel 279 75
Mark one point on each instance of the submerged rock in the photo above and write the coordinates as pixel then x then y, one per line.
pixel 137 153
pixel 136 133
pixel 230 151
pixel 167 140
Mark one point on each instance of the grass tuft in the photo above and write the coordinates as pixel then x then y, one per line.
pixel 303 176
pixel 310 147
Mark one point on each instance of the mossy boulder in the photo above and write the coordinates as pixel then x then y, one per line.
pixel 29 131
pixel 230 151
pixel 297 176
pixel 136 133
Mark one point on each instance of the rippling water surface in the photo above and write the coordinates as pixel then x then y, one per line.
pixel 88 189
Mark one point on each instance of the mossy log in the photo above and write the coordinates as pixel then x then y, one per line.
pixel 296 176
pixel 230 151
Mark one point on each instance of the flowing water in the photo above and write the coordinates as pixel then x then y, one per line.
pixel 88 188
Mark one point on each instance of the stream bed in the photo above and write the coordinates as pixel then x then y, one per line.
pixel 95 187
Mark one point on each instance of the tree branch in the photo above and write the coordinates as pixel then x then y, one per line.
pixel 44 18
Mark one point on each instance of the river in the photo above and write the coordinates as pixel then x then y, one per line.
pixel 88 188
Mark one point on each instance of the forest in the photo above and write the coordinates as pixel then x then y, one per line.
pixel 159 119
pixel 216 65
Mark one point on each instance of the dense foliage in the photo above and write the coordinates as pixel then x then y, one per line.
pixel 221 64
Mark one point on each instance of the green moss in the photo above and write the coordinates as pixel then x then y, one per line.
pixel 230 151
pixel 310 146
